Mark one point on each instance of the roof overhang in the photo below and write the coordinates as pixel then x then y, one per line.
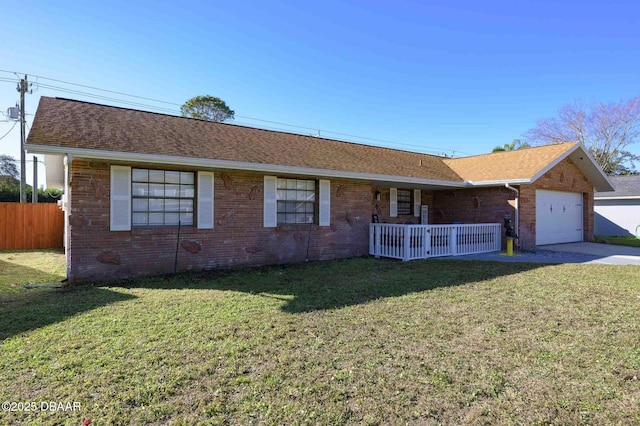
pixel 55 154
pixel 580 156
pixel 502 182
pixel 622 197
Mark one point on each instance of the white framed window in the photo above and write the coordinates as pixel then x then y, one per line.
pixel 162 197
pixel 296 201
pixel 150 198
pixel 405 201
pixel 301 201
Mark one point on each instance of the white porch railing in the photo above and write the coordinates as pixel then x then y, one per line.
pixel 409 242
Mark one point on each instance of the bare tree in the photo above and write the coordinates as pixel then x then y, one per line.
pixel 605 129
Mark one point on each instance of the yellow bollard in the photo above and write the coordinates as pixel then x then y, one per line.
pixel 509 246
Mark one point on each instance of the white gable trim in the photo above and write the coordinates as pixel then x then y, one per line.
pixel 590 168
pixel 555 162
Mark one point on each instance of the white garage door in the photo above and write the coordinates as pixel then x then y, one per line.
pixel 558 217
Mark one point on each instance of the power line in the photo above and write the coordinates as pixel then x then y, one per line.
pixel 77 92
pixel 175 112
pixel 14 125
pixel 100 89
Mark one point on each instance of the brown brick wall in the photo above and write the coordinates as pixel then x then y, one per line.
pixel 563 177
pixel 382 207
pixel 238 238
pixel 492 204
pixel 478 205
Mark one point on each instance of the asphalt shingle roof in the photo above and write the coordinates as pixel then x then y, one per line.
pixel 75 124
pixel 508 165
pixel 626 186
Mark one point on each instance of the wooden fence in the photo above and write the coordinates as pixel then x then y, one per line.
pixel 31 226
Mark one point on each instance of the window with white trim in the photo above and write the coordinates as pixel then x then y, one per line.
pixel 162 197
pixel 296 201
pixel 405 201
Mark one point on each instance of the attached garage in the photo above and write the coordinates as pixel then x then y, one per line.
pixel 558 217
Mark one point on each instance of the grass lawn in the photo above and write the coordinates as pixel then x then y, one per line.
pixel 21 267
pixel 620 241
pixel 359 341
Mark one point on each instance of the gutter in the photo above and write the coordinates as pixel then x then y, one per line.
pixel 517 218
pixel 481 183
pixel 621 197
pixel 240 165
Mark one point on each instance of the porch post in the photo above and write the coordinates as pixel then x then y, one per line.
pixel 372 245
pixel 453 242
pixel 426 241
pixel 406 255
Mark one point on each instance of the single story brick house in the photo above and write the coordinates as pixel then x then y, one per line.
pixel 247 196
pixel 617 213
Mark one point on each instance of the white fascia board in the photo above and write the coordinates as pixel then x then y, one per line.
pixel 521 181
pixel 591 170
pixel 554 163
pixel 629 197
pixel 597 175
pixel 238 165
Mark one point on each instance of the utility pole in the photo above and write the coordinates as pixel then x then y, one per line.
pixel 22 88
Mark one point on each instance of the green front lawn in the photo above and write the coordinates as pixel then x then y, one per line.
pixel 619 241
pixel 25 267
pixel 358 341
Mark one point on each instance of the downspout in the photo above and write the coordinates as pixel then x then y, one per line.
pixel 66 207
pixel 517 216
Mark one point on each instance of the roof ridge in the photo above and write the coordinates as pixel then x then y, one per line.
pixel 248 127
pixel 512 151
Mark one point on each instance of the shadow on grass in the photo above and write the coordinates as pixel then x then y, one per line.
pixel 32 309
pixel 24 267
pixel 339 283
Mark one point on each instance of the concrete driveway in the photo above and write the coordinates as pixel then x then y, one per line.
pixel 599 253
pixel 567 253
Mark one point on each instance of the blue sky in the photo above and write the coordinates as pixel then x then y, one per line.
pixel 439 77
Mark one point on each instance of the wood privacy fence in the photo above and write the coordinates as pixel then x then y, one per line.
pixel 31 226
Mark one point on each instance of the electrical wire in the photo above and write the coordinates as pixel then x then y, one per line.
pixel 171 111
pixel 98 88
pixel 121 101
pixel 3 136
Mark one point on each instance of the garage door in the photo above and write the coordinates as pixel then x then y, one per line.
pixel 558 217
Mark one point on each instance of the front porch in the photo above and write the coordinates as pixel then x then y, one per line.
pixel 410 242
